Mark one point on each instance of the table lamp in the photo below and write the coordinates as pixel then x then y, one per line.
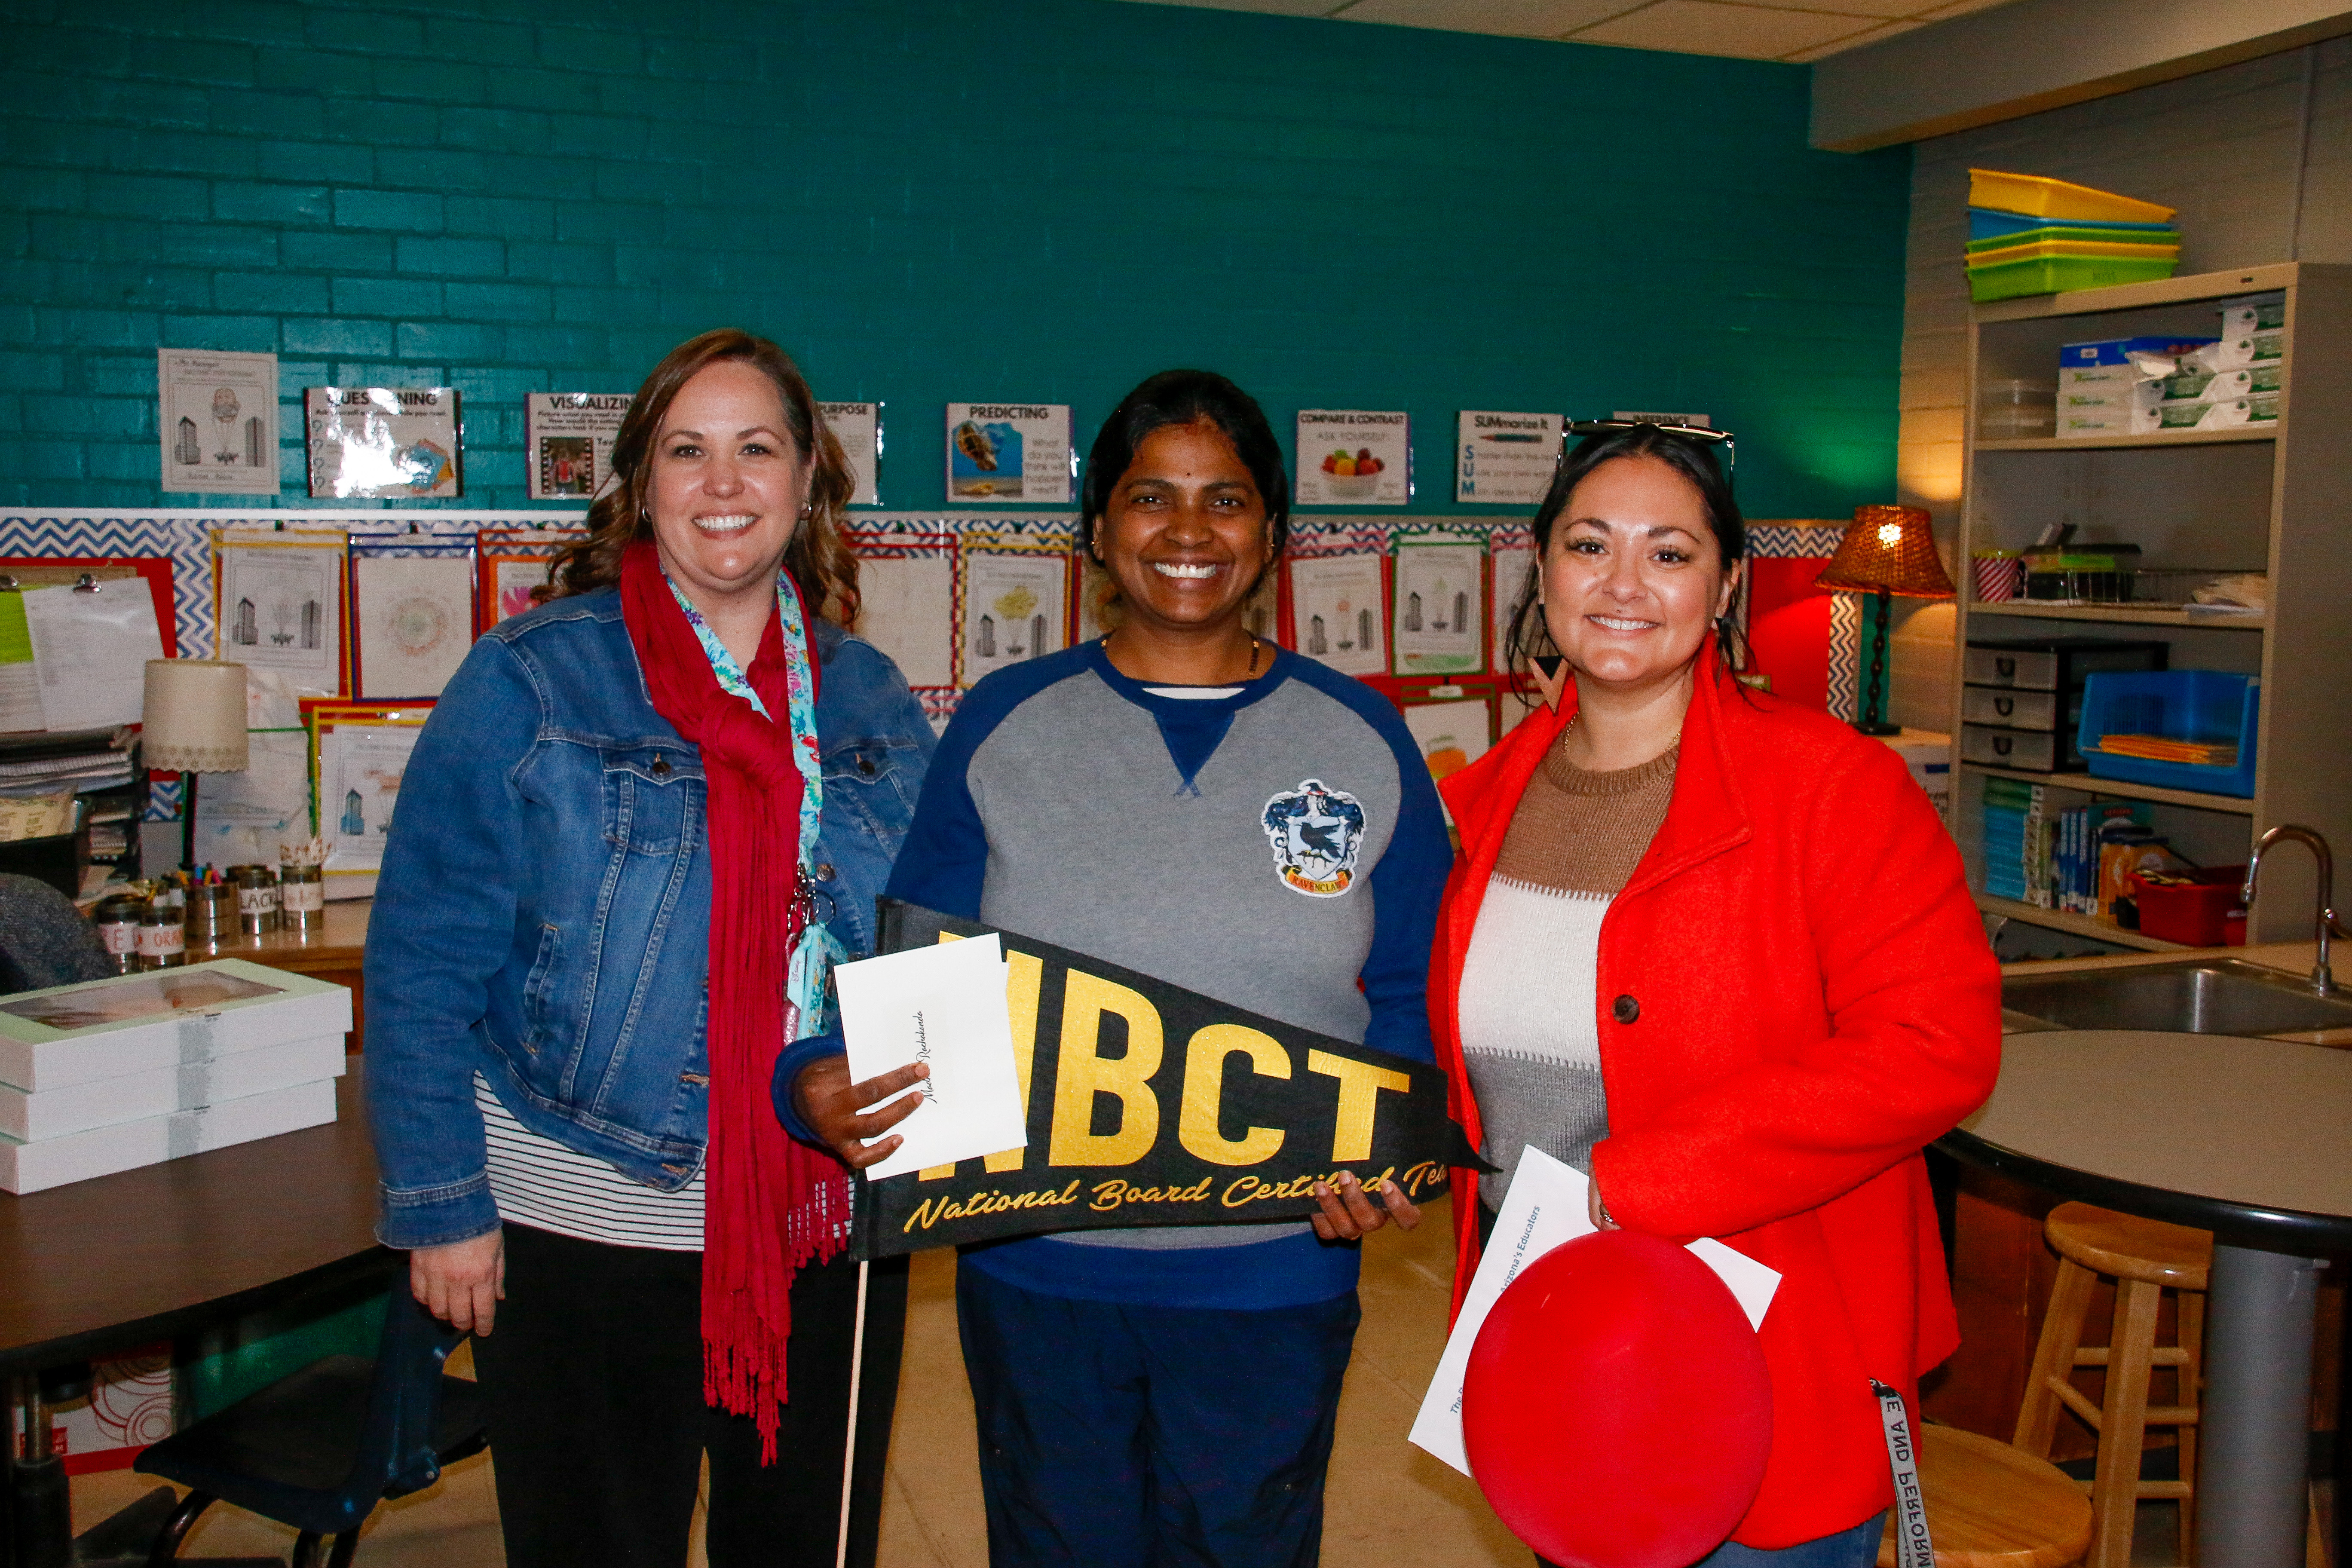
pixel 1886 550
pixel 192 722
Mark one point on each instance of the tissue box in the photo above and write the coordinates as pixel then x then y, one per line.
pixel 2252 316
pixel 2261 408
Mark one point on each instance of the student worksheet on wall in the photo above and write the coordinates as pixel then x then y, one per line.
pixel 90 648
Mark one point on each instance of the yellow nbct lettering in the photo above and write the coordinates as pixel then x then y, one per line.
pixel 1359 1088
pixel 1024 973
pixel 1204 1091
pixel 1084 1073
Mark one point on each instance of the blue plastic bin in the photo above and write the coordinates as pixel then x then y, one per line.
pixel 2182 705
pixel 1990 223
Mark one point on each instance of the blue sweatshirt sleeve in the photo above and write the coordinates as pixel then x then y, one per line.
pixel 1407 886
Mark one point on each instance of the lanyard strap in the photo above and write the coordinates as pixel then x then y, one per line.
pixel 1913 1548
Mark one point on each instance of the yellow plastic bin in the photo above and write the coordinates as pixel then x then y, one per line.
pixel 2039 195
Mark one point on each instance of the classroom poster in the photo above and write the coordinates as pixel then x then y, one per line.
pixel 858 428
pixel 279 606
pixel 1451 735
pixel 514 582
pixel 1010 451
pixel 1512 560
pixel 91 647
pixel 1016 607
pixel 1440 613
pixel 383 441
pixel 360 769
pixel 413 623
pixel 243 817
pixel 1337 613
pixel 1354 456
pixel 906 608
pixel 568 441
pixel 217 417
pixel 1505 459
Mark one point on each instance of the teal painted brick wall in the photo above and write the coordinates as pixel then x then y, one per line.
pixel 926 200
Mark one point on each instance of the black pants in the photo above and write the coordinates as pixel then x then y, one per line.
pixel 598 1427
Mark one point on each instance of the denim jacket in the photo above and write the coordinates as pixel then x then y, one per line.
pixel 543 913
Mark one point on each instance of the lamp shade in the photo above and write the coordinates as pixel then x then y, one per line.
pixel 1889 548
pixel 193 717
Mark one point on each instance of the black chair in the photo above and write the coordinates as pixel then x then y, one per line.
pixel 319 1449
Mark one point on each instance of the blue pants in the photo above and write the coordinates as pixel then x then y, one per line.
pixel 1129 1436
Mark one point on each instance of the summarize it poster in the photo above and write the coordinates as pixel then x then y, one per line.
pixel 1505 459
pixel 568 441
pixel 1010 451
pixel 1354 456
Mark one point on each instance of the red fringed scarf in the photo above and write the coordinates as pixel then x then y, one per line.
pixel 772 1204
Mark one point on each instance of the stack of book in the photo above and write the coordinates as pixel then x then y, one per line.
pixel 2016 842
pixel 135 1069
pixel 2163 749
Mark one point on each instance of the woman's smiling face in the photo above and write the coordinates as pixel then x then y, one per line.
pixel 1633 575
pixel 728 483
pixel 1184 533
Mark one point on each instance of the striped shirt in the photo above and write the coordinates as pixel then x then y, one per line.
pixel 540 1182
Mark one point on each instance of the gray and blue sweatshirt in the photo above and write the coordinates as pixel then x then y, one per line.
pixel 1280 849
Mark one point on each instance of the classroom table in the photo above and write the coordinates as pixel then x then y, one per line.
pixel 103 1266
pixel 2249 1139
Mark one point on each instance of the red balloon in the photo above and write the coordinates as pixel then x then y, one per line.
pixel 1616 1410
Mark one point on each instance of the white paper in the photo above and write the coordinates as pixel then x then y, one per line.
pixel 945 1005
pixel 1337 613
pixel 1549 1204
pixel 1441 612
pixel 243 817
pixel 1505 459
pixel 1010 451
pixel 568 441
pixel 416 621
pixel 217 416
pixel 400 442
pixel 280 606
pixel 91 651
pixel 906 608
pixel 1015 609
pixel 1451 736
pixel 360 769
pixel 858 428
pixel 1354 456
pixel 1511 562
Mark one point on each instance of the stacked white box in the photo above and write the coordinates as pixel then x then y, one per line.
pixel 139 1069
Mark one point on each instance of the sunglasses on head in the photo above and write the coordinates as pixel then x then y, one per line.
pixel 1717 438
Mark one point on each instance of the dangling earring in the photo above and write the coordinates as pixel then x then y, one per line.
pixel 1550 672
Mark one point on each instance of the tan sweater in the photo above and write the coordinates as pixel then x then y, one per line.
pixel 1530 1035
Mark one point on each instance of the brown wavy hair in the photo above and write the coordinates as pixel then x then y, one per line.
pixel 820 564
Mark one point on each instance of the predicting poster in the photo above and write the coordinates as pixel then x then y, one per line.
pixel 858 428
pixel 1015 609
pixel 1354 456
pixel 1337 611
pixel 1010 451
pixel 1505 459
pixel 217 413
pixel 1512 560
pixel 383 441
pixel 1441 611
pixel 568 441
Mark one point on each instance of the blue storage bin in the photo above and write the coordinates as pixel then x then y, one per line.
pixel 1991 223
pixel 2205 705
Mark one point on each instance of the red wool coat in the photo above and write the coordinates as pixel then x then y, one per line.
pixel 1816 1002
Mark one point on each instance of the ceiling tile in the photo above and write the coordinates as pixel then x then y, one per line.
pixel 1519 18
pixel 1272 7
pixel 1960 8
pixel 1889 9
pixel 1706 28
pixel 1839 45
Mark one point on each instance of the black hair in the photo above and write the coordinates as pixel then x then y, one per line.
pixel 1689 456
pixel 1187 397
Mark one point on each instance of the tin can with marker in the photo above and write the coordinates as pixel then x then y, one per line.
pixel 162 939
pixel 212 912
pixel 257 899
pixel 117 920
pixel 301 898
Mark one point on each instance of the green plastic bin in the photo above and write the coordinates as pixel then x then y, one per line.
pixel 2063 274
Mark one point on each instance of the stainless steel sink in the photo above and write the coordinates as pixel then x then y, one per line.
pixel 2224 997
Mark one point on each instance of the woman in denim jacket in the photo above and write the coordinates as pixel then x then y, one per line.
pixel 642 819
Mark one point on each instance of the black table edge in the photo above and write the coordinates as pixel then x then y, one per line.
pixel 97 1343
pixel 2233 1224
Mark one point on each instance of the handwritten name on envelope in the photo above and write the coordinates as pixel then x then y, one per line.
pixel 944 1006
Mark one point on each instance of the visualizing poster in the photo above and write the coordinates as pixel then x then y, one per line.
pixel 1338 611
pixel 279 606
pixel 1354 456
pixel 1440 611
pixel 858 428
pixel 1505 459
pixel 383 441
pixel 1010 451
pixel 1016 607
pixel 217 416
pixel 568 441
pixel 413 621
pixel 906 608
pixel 360 769
pixel 1512 559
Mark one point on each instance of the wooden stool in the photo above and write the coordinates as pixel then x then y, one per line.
pixel 2146 1257
pixel 1990 1506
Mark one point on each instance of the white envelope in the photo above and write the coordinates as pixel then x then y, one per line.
pixel 1547 1206
pixel 945 1005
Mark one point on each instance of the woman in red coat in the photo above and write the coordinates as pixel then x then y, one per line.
pixel 1714 949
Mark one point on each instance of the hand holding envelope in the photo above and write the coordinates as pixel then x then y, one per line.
pixel 943 1006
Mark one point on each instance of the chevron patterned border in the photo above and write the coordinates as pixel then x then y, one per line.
pixel 1845 655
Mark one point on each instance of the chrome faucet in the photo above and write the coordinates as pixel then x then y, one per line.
pixel 2323 978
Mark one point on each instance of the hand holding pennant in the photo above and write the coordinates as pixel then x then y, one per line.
pixel 1142 1103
